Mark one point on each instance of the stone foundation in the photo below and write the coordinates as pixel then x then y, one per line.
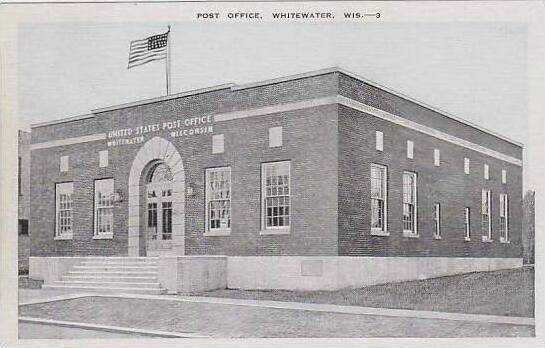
pixel 194 274
pixel 337 272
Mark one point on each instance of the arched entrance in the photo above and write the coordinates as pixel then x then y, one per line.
pixel 157 201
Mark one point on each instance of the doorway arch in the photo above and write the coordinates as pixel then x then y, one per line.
pixel 154 151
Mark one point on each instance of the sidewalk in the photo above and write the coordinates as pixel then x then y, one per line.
pixel 47 296
pixel 226 318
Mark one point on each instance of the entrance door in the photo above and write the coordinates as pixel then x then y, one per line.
pixel 159 211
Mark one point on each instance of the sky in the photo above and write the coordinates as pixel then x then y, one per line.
pixel 476 71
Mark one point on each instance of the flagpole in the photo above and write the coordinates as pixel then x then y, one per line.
pixel 167 63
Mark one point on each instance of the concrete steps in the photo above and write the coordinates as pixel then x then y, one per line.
pixel 109 278
pixel 77 283
pixel 112 274
pixel 114 268
pixel 107 290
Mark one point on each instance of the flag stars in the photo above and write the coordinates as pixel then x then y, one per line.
pixel 157 41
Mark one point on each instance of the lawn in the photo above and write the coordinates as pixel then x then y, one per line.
pixel 505 292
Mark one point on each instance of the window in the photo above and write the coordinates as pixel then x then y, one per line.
pixel 152 219
pixel 378 199
pixel 437 221
pixel 276 196
pixel 486 223
pixel 467 225
pixel 167 220
pixel 218 199
pixel 409 204
pixel 104 208
pixel 275 136
pixel 503 176
pixel 217 143
pixel 23 227
pixel 63 210
pixel 466 165
pixel 103 158
pixel 64 164
pixel 436 157
pixel 379 137
pixel 486 173
pixel 504 219
pixel 410 149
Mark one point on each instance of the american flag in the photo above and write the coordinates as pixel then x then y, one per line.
pixel 148 49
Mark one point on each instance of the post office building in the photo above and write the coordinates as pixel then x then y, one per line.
pixel 321 180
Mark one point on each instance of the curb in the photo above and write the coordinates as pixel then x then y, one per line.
pixel 108 328
pixel 358 310
pixel 54 298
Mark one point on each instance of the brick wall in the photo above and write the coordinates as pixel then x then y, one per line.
pixel 446 184
pixel 378 98
pixel 310 142
pixel 330 166
pixel 313 156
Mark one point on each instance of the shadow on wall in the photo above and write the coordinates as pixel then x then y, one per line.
pixel 529 227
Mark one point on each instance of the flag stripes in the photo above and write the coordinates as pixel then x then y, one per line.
pixel 147 50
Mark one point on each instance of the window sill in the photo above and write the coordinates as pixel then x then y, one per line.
pixel 64 237
pixel 275 231
pixel 104 236
pixel 410 234
pixel 505 241
pixel 437 237
pixel 379 233
pixel 466 239
pixel 487 240
pixel 219 232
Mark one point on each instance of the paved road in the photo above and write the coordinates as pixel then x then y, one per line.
pixel 31 330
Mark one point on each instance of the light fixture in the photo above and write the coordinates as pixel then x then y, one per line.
pixel 118 196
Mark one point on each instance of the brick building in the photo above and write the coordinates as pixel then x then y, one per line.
pixel 529 227
pixel 319 180
pixel 23 198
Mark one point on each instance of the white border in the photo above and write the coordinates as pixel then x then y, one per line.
pixel 524 12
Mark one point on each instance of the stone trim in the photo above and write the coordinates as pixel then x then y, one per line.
pixel 157 149
pixel 272 109
pixel 273 231
pixel 425 129
pixel 63 120
pixel 68 141
pixel 217 233
pixel 331 100
pixel 104 236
